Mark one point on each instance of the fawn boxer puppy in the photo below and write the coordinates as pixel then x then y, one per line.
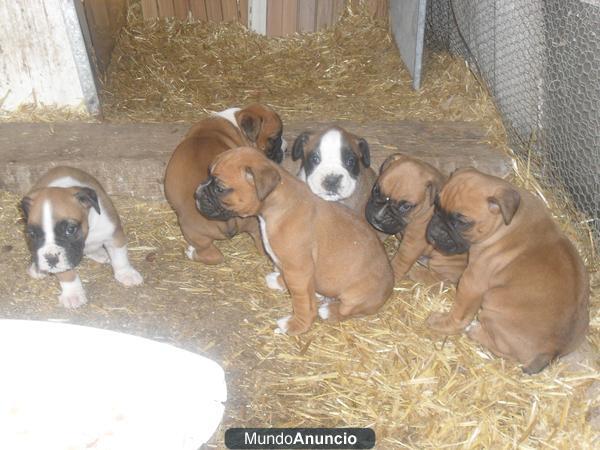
pixel 524 279
pixel 257 126
pixel 336 166
pixel 69 215
pixel 401 203
pixel 319 247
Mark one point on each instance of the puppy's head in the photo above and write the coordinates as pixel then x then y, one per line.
pixel 331 161
pixel 263 128
pixel 405 188
pixel 470 208
pixel 57 225
pixel 238 183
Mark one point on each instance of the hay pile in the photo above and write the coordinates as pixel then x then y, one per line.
pixel 170 70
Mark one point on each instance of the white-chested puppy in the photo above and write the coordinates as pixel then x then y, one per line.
pixel 69 215
pixel 336 166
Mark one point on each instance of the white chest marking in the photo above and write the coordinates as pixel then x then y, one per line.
pixel 265 239
pixel 100 227
pixel 229 114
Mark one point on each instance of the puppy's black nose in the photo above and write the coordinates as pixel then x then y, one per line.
pixel 51 259
pixel 331 183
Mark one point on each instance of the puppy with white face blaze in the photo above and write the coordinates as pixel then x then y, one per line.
pixel 69 215
pixel 336 166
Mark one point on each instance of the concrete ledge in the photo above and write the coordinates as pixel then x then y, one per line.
pixel 129 159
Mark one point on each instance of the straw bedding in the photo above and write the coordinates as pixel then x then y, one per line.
pixel 387 371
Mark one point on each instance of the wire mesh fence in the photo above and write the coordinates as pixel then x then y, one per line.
pixel 540 59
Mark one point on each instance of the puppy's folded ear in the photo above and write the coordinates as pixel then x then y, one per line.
pixel 264 178
pixel 88 198
pixel 364 151
pixel 390 159
pixel 25 205
pixel 505 201
pixel 250 125
pixel 299 143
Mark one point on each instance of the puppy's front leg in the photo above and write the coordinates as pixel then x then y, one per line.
pixel 124 272
pixel 412 246
pixel 72 293
pixel 304 303
pixel 469 296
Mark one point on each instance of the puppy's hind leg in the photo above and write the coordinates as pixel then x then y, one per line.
pixel 201 248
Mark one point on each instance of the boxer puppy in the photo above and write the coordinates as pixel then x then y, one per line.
pixel 401 203
pixel 69 215
pixel 257 126
pixel 336 166
pixel 320 247
pixel 524 279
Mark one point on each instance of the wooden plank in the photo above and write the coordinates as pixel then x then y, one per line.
pixel 257 16
pixel 243 13
pixel 165 8
pixel 274 17
pixel 198 9
pixel 182 8
pixel 105 19
pixel 338 8
pixel 324 14
pixel 307 12
pixel 289 17
pixel 149 9
pixel 382 9
pixel 372 6
pixel 214 11
pixel 230 10
pixel 128 157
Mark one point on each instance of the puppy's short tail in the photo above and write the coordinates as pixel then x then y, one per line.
pixel 539 363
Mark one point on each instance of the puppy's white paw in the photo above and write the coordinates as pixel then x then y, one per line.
pixel 35 273
pixel 282 325
pixel 129 277
pixel 190 252
pixel 324 311
pixel 100 256
pixel 272 281
pixel 72 298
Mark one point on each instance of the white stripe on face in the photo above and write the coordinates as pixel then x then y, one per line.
pixel 47 224
pixel 330 148
pixel 50 248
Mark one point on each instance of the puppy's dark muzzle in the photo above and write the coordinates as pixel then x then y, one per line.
pixel 381 217
pixel 444 238
pixel 275 153
pixel 209 205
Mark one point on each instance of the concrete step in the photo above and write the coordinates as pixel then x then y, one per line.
pixel 130 158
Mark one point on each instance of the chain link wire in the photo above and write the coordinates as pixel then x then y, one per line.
pixel 540 60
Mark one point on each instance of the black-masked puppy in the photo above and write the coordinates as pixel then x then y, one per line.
pixel 319 247
pixel 69 215
pixel 336 166
pixel 524 281
pixel 257 126
pixel 402 203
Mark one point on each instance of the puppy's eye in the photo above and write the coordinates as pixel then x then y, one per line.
pixel 351 160
pixel 315 158
pixel 405 207
pixel 31 234
pixel 219 189
pixel 70 229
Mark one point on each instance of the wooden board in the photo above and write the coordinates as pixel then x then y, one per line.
pixel 198 9
pixel 166 8
pixel 130 158
pixel 324 14
pixel 213 10
pixel 289 17
pixel 105 18
pixel 243 5
pixel 307 16
pixel 149 9
pixel 182 8
pixel 274 18
pixel 230 10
